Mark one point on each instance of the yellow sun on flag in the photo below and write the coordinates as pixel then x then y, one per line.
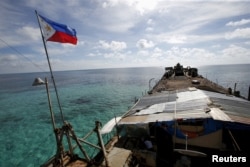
pixel 48 28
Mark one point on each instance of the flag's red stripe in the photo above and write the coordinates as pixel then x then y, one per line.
pixel 63 37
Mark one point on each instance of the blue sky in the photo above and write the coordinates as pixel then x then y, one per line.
pixel 125 33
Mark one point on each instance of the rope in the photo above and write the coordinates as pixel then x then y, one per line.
pixel 19 53
pixel 235 142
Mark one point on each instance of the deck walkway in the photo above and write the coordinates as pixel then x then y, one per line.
pixel 181 82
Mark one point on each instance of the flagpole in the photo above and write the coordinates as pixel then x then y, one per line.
pixel 50 68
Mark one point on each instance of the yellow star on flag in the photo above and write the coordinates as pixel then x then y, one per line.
pixel 48 28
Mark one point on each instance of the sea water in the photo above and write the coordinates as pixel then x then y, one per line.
pixel 27 137
pixel 235 76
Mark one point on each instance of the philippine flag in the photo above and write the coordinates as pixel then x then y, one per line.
pixel 57 32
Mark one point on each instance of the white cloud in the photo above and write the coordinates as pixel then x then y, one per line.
pixel 115 56
pixel 22 36
pixel 110 3
pixel 91 55
pixel 170 38
pixel 145 44
pixel 108 55
pixel 177 39
pixel 247 43
pixel 142 6
pixel 142 53
pixel 113 16
pixel 157 52
pixel 8 59
pixel 190 55
pixel 195 15
pixel 149 29
pixel 236 51
pixel 150 22
pixel 184 55
pixel 238 33
pixel 238 23
pixel 113 45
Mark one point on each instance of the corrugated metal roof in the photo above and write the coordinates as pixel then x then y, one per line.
pixel 217 114
pixel 188 104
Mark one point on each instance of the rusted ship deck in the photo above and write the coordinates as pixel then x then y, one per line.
pixel 170 81
pixel 203 117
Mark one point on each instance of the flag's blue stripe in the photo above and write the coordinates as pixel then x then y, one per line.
pixel 60 27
